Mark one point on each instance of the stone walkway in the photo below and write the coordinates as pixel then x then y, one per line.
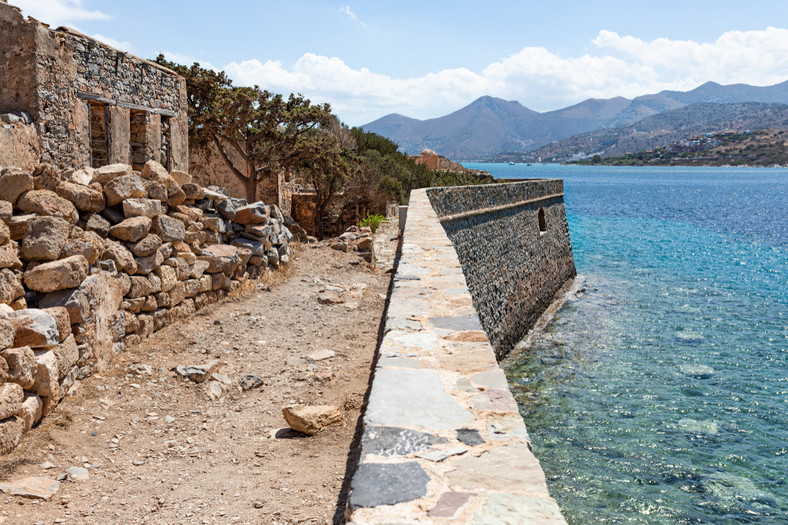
pixel 443 439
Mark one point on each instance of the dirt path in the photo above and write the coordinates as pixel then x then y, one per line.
pixel 158 449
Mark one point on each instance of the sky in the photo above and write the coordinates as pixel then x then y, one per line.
pixel 425 59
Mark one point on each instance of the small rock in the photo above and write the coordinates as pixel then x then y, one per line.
pixel 32 487
pixel 47 465
pixel 321 355
pixel 197 373
pixel 169 420
pixel 78 473
pixel 140 369
pixel 329 298
pixel 215 390
pixel 311 419
pixel 251 381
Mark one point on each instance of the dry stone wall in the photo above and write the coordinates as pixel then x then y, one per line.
pixel 91 260
pixel 513 243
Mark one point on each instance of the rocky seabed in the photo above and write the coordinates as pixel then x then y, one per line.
pixel 94 259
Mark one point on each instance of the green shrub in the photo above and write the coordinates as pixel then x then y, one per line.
pixel 373 221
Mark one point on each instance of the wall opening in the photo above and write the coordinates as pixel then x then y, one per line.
pixel 99 134
pixel 166 144
pixel 542 222
pixel 138 143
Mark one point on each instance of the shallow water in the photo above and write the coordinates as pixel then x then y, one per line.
pixel 659 394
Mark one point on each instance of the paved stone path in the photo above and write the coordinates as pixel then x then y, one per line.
pixel 443 440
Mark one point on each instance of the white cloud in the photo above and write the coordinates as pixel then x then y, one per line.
pixel 346 11
pixel 187 60
pixel 117 44
pixel 58 12
pixel 542 80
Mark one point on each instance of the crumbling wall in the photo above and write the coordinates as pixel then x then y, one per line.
pixel 54 75
pixel 91 260
pixel 19 144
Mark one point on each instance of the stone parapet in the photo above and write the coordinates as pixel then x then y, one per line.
pixel 443 439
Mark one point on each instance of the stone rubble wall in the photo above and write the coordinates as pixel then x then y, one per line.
pixel 514 269
pixel 443 438
pixel 51 74
pixel 19 145
pixel 92 260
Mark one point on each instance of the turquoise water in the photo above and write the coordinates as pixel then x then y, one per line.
pixel 659 394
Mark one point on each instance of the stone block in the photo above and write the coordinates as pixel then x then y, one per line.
pixel 9 255
pixel 169 229
pixel 72 300
pixel 34 328
pixel 10 286
pixel 376 484
pixel 84 198
pixel 168 276
pixel 5 233
pixel 62 320
pixel 11 397
pixel 11 430
pixel 124 260
pixel 57 275
pixel 140 287
pixel 105 174
pixel 98 224
pixel 256 213
pixel 181 177
pixel 146 265
pixel 14 183
pixel 67 355
pixel 21 365
pixel 18 225
pixel 47 203
pixel 156 190
pixel 122 188
pixel 193 191
pixel 45 239
pixel 6 211
pixel 46 377
pixel 141 208
pixel 30 411
pixel 90 246
pixel 132 229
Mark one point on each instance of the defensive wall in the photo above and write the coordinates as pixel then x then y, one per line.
pixel 443 439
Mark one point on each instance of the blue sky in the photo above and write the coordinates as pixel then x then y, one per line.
pixel 425 59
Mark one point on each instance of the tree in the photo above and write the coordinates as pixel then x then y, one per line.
pixel 326 161
pixel 263 129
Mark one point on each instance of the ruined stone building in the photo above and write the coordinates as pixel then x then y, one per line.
pixel 90 104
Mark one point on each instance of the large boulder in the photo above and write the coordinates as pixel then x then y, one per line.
pixel 9 256
pixel 46 378
pixel 11 430
pixel 11 397
pixel 146 246
pixel 255 213
pixel 10 286
pixel 107 173
pixel 132 229
pixel 84 197
pixel 34 328
pixel 155 172
pixel 13 183
pixel 168 229
pixel 73 300
pixel 89 245
pixel 21 365
pixel 141 208
pixel 45 239
pixel 124 260
pixel 57 275
pixel 30 411
pixel 67 355
pixel 49 203
pixel 122 188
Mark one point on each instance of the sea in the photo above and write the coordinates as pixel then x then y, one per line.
pixel 659 393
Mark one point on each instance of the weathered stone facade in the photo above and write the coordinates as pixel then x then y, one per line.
pixel 92 105
pixel 513 243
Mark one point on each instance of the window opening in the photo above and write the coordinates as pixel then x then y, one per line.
pixel 166 144
pixel 138 126
pixel 542 221
pixel 99 134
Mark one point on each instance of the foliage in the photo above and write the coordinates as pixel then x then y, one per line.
pixel 266 131
pixel 373 221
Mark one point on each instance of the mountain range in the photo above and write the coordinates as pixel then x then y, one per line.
pixel 489 126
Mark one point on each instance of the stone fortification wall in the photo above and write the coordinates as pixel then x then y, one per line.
pixel 91 260
pixel 72 85
pixel 443 439
pixel 513 243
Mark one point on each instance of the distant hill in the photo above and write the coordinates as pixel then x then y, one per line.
pixel 491 125
pixel 766 147
pixel 667 127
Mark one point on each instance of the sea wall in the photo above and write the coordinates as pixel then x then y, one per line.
pixel 92 260
pixel 513 244
pixel 443 438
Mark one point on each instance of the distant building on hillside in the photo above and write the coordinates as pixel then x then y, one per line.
pixel 90 104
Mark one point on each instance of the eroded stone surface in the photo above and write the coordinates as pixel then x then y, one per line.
pixel 394 441
pixel 387 484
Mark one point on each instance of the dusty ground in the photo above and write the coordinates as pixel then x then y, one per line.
pixel 159 450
